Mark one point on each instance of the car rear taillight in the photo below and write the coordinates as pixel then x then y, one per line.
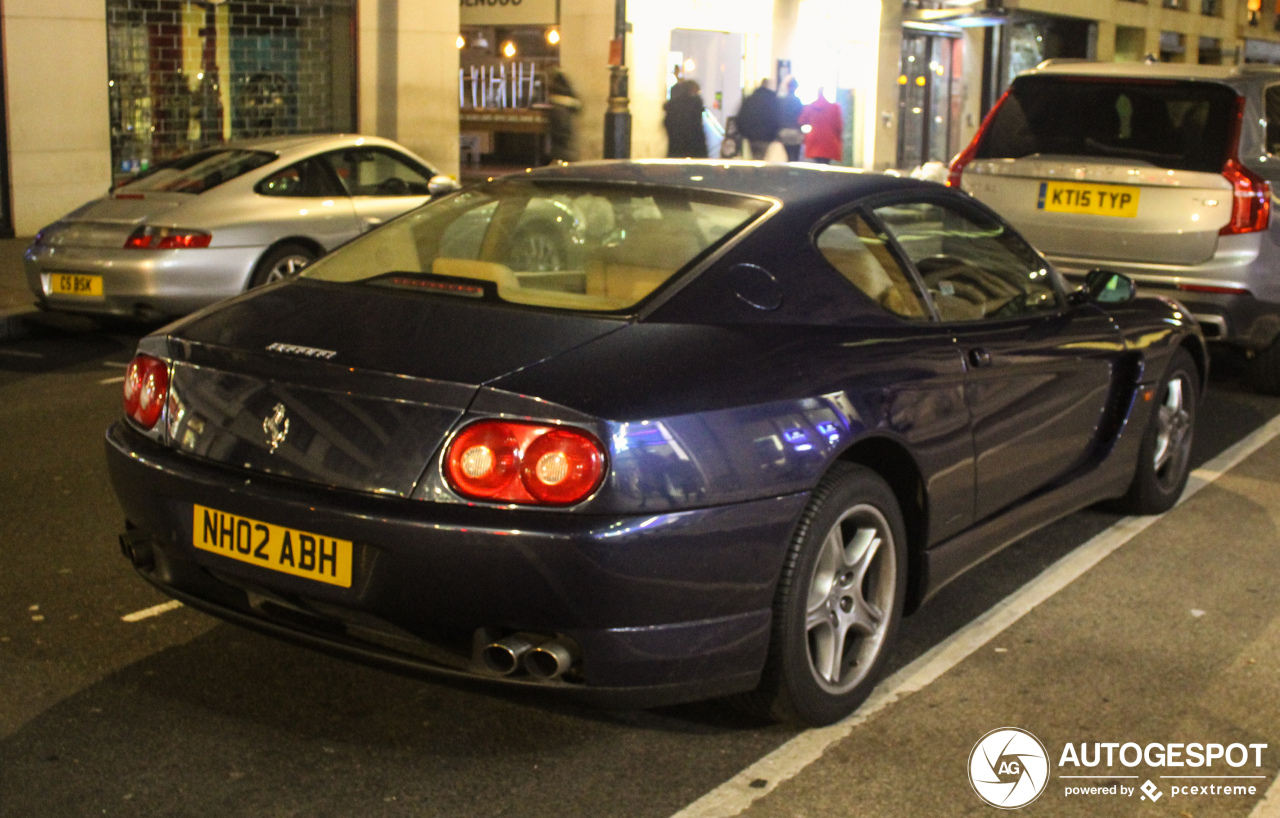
pixel 965 156
pixel 146 387
pixel 526 463
pixel 1250 200
pixel 167 238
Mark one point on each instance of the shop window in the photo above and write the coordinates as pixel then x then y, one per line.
pixel 186 75
pixel 1210 51
pixel 1173 46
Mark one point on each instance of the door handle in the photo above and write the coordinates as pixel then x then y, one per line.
pixel 372 222
pixel 979 357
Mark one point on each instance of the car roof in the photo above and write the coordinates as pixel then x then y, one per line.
pixel 309 143
pixel 790 183
pixel 1170 71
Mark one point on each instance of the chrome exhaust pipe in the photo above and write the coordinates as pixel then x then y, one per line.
pixel 548 661
pixel 503 656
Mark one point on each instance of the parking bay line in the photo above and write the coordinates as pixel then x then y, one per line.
pixel 154 610
pixel 784 763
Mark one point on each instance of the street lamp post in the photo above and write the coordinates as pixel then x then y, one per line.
pixel 617 118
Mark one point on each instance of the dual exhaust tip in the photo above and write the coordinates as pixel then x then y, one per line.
pixel 544 658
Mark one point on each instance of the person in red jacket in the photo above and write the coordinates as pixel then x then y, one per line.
pixel 824 141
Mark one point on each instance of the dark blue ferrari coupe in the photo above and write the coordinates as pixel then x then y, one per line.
pixel 644 432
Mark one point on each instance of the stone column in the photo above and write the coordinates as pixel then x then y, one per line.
pixel 59 154
pixel 409 76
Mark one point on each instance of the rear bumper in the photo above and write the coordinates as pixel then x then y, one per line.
pixel 664 608
pixel 1239 311
pixel 141 282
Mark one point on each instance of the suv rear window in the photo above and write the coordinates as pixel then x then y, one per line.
pixel 1170 124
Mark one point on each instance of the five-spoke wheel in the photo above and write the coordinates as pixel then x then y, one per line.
pixel 839 600
pixel 1164 461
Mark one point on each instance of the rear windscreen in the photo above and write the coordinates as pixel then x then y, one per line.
pixel 1168 124
pixel 571 245
pixel 212 169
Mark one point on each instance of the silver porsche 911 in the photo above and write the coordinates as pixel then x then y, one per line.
pixel 217 222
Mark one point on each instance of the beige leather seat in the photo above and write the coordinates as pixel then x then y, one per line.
pixel 651 252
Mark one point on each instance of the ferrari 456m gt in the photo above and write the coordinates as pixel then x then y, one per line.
pixel 749 417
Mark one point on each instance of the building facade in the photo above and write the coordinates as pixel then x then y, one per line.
pixel 97 90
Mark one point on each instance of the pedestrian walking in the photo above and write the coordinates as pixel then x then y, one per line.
pixel 789 109
pixel 758 119
pixel 683 121
pixel 562 117
pixel 824 143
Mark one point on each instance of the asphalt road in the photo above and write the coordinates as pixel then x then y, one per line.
pixel 1171 638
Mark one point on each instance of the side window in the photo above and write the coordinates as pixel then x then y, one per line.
pixel 371 172
pixel 864 259
pixel 973 266
pixel 1272 103
pixel 306 178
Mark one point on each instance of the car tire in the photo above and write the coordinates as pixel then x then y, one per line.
pixel 1164 459
pixel 1264 369
pixel 838 603
pixel 282 262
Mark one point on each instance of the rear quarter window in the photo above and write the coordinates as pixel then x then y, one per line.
pixel 1168 124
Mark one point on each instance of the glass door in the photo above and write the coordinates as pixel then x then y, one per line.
pixel 928 101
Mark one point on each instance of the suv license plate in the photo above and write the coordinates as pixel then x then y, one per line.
pixel 287 550
pixel 1097 200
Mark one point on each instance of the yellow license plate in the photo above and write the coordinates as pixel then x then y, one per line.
pixel 287 550
pixel 1098 200
pixel 75 284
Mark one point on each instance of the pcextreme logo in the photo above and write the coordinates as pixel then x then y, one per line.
pixel 1009 768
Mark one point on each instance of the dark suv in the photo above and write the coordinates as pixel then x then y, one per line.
pixel 1161 172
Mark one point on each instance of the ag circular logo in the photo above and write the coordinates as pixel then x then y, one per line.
pixel 1008 768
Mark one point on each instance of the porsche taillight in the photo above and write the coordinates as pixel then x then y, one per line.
pixel 167 238
pixel 146 387
pixel 527 463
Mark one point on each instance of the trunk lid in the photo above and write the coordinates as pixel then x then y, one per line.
pixel 107 222
pixel 1173 216
pixel 1110 167
pixel 348 386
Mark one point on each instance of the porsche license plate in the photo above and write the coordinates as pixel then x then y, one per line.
pixel 1097 200
pixel 287 550
pixel 75 284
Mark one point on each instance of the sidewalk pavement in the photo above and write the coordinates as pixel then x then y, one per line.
pixel 16 301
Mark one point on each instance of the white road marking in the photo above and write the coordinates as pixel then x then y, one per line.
pixel 15 353
pixel 106 381
pixel 784 763
pixel 115 364
pixel 154 610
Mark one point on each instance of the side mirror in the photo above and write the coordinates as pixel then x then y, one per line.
pixel 1109 287
pixel 442 184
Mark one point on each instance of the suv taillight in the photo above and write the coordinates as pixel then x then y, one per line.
pixel 965 156
pixel 524 463
pixel 1250 200
pixel 146 387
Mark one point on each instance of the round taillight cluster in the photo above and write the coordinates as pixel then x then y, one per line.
pixel 146 387
pixel 525 463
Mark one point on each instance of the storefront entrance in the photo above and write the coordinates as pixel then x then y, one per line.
pixel 928 99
